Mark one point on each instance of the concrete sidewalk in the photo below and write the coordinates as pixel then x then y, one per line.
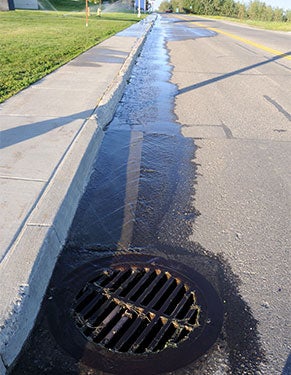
pixel 50 135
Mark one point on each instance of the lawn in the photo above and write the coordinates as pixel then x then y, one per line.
pixel 277 26
pixel 267 25
pixel 34 43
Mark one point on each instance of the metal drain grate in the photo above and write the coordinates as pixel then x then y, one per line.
pixel 136 310
pixel 134 314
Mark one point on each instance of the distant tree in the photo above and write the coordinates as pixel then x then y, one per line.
pixel 241 11
pixel 254 10
pixel 278 14
pixel 177 5
pixel 165 6
pixel 228 8
pixel 268 14
pixel 258 10
pixel 183 5
pixel 217 5
pixel 187 6
pixel 197 7
pixel 208 6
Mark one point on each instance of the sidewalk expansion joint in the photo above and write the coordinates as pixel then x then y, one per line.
pixel 27 115
pixel 40 225
pixel 23 179
pixel 46 225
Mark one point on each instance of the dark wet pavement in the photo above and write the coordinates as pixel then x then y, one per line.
pixel 141 199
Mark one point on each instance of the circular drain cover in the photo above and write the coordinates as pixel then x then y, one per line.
pixel 136 314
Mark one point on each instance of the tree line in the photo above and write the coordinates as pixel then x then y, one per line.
pixel 255 10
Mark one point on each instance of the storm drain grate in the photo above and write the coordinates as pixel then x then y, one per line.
pixel 135 314
pixel 137 310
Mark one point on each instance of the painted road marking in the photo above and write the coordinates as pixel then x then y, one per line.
pixel 246 41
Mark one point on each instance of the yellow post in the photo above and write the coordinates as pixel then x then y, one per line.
pixel 87 13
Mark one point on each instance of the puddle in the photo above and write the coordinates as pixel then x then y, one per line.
pixel 185 30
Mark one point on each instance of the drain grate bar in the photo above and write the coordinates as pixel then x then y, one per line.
pixel 145 297
pixel 163 294
pixel 106 277
pixel 119 280
pixel 153 291
pixel 142 343
pixel 132 328
pixel 144 283
pixel 169 338
pixel 151 323
pixel 136 331
pixel 83 299
pixel 158 339
pixel 130 283
pixel 87 310
pixel 116 329
pixel 101 311
pixel 108 323
pixel 174 299
pixel 109 317
pixel 184 308
pixel 181 306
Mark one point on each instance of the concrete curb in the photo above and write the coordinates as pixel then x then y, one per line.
pixel 25 274
pixel 106 107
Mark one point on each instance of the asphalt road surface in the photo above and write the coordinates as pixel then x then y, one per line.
pixel 194 168
pixel 234 100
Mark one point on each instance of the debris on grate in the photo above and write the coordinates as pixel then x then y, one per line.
pixel 136 310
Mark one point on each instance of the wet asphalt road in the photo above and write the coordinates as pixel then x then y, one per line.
pixel 234 100
pixel 183 174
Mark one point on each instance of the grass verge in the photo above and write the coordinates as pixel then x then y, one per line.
pixel 276 26
pixel 34 43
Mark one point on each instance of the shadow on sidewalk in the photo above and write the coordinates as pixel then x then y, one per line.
pixel 22 133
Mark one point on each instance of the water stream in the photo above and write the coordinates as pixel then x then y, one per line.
pixel 140 199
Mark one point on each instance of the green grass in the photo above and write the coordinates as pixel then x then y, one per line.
pixel 34 43
pixel 276 26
